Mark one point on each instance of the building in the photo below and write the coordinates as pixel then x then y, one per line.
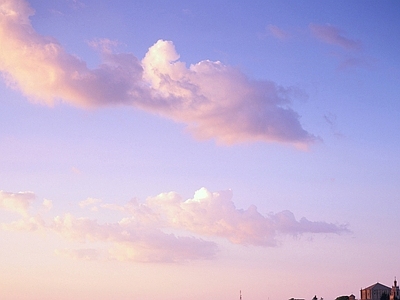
pixel 375 292
pixel 394 292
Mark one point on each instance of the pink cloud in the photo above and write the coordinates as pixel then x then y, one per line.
pixel 347 63
pixel 285 222
pixel 128 241
pixel 214 100
pixel 144 234
pixel 277 32
pixel 333 35
pixel 214 214
pixel 136 243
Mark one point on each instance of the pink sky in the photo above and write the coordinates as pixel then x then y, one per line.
pixel 190 150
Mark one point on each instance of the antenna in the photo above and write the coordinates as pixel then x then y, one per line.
pixel 240 295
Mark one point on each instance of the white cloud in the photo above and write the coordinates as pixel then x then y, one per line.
pixel 16 202
pixel 215 101
pixel 47 204
pixel 89 202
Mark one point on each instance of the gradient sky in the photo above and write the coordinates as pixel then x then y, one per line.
pixel 192 149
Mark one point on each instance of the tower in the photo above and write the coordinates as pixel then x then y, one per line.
pixel 395 292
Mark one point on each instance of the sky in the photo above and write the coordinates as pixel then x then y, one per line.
pixel 195 149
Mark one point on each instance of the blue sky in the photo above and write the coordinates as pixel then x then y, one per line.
pixel 204 146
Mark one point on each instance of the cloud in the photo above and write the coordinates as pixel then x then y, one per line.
pixel 76 171
pixel 277 32
pixel 214 100
pixel 16 202
pixel 89 202
pixel 166 228
pixel 76 4
pixel 161 247
pixel 136 243
pixel 214 214
pixel 30 224
pixel 286 222
pixel 125 240
pixel 79 254
pixel 333 35
pixel 351 62
pixel 47 204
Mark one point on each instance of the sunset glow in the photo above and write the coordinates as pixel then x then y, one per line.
pixel 198 150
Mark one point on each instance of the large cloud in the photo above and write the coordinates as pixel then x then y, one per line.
pixel 161 229
pixel 124 240
pixel 214 100
pixel 215 214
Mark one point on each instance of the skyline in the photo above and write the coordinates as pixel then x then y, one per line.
pixel 194 149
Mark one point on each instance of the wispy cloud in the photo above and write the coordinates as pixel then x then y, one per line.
pixel 76 4
pixel 277 32
pixel 145 231
pixel 334 36
pixel 214 100
pixel 351 62
pixel 80 254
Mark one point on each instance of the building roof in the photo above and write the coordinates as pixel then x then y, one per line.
pixel 377 286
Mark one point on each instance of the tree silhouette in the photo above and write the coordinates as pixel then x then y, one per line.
pixel 384 296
